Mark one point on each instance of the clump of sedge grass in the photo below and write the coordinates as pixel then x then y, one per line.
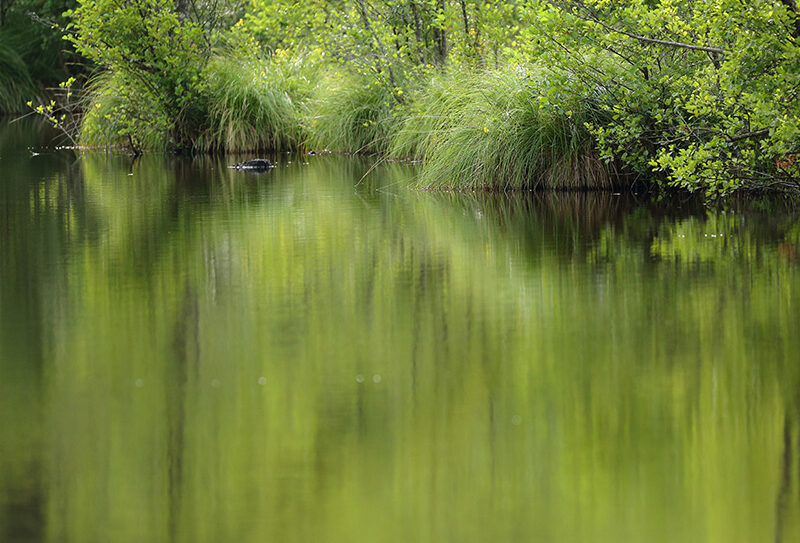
pixel 16 85
pixel 115 115
pixel 500 130
pixel 353 114
pixel 432 114
pixel 256 104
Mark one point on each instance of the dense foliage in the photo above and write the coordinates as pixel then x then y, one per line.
pixel 700 95
pixel 705 93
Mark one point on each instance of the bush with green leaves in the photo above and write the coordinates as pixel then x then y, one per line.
pixel 390 40
pixel 156 58
pixel 116 116
pixel 703 95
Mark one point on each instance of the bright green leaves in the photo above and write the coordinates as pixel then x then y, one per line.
pixel 154 54
pixel 704 94
pixel 397 41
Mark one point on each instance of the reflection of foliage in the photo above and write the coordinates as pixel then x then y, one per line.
pixel 721 238
pixel 542 359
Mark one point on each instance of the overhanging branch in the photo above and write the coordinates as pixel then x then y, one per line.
pixel 587 15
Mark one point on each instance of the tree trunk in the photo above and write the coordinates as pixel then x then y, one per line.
pixel 466 19
pixel 441 37
pixel 418 34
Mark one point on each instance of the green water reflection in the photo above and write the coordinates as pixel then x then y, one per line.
pixel 189 354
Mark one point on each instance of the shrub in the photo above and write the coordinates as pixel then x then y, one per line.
pixel 156 57
pixel 115 115
pixel 702 94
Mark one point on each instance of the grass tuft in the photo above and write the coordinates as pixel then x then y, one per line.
pixel 497 129
pixel 434 112
pixel 501 129
pixel 16 85
pixel 354 114
pixel 114 116
pixel 256 104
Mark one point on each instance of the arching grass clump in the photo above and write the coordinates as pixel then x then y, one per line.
pixel 433 113
pixel 16 85
pixel 256 104
pixel 116 116
pixel 503 129
pixel 354 114
pixel 249 104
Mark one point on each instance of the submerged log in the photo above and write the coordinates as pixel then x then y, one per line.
pixel 255 165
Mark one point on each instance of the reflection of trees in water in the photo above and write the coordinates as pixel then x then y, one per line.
pixel 569 224
pixel 787 503
pixel 437 264
pixel 183 365
pixel 40 212
pixel 23 518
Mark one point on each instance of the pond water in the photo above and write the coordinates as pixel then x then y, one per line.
pixel 194 354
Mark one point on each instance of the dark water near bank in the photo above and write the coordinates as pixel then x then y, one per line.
pixel 192 354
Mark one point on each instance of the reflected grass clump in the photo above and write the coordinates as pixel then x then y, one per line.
pixel 282 358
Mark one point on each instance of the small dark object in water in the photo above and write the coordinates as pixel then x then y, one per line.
pixel 256 165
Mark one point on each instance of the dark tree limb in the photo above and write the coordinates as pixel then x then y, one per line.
pixel 791 5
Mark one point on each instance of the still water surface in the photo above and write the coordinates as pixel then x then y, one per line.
pixel 194 354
